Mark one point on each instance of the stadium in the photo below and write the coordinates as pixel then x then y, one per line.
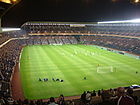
pixel 63 59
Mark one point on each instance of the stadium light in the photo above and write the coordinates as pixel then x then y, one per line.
pixel 10 29
pixel 5 1
pixel 136 1
pixel 122 21
pixel 135 20
pixel 9 1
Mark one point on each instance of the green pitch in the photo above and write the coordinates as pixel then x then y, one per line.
pixel 71 63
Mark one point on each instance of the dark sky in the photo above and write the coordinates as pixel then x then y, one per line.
pixel 70 11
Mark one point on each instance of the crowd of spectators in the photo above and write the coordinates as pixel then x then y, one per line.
pixel 131 45
pixel 5 36
pixel 50 40
pixel 118 96
pixel 15 34
pixel 54 29
pixel 117 29
pixel 109 29
pixel 9 54
pixel 3 39
pixel 51 101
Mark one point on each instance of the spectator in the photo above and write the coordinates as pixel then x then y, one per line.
pixel 61 100
pixel 83 97
pixel 124 99
pixel 70 103
pixel 106 98
pixel 99 92
pixel 88 97
pixel 2 101
pixel 130 93
pixel 52 101
pixel 93 93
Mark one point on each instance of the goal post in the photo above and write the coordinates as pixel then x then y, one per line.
pixel 105 69
pixel 60 44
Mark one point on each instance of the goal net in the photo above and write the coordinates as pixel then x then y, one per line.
pixel 106 69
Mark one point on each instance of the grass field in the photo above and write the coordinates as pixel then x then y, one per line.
pixel 103 70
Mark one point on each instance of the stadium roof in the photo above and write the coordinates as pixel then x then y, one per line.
pixel 46 22
pixel 137 21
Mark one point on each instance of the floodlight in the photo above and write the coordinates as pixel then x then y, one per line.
pixel 135 20
pixel 123 21
pixel 136 1
pixel 9 1
pixel 10 29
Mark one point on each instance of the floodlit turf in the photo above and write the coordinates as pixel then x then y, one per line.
pixel 102 69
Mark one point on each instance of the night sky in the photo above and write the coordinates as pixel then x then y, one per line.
pixel 70 11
